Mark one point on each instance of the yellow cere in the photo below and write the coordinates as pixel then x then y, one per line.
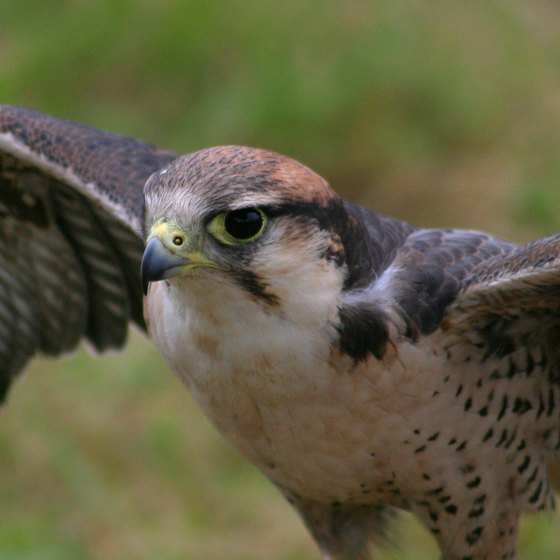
pixel 169 231
pixel 160 228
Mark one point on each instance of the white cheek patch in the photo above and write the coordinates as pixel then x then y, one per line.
pixel 307 285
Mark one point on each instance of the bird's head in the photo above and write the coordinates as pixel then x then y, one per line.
pixel 255 218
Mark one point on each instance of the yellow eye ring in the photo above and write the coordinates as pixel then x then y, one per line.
pixel 178 241
pixel 240 226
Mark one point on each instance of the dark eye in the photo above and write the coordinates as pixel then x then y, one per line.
pixel 244 224
pixel 238 226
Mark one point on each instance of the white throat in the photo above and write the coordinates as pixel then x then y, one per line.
pixel 252 366
pixel 210 328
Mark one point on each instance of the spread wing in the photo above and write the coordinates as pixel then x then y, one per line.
pixel 507 316
pixel 486 301
pixel 506 296
pixel 491 308
pixel 71 208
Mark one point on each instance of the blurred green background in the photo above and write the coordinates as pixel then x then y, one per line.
pixel 441 113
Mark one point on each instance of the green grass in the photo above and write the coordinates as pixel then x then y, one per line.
pixel 439 113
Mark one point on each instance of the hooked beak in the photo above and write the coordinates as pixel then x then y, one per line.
pixel 158 263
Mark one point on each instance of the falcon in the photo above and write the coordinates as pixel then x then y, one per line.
pixel 363 364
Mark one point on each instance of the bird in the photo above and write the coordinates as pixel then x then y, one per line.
pixel 364 364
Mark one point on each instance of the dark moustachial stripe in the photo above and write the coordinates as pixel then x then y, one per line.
pixel 257 287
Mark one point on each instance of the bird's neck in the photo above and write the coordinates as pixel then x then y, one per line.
pixel 209 329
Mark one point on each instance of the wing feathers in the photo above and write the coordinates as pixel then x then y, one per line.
pixel 108 168
pixel 42 298
pixel 108 316
pixel 61 289
pixel 525 281
pixel 71 210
